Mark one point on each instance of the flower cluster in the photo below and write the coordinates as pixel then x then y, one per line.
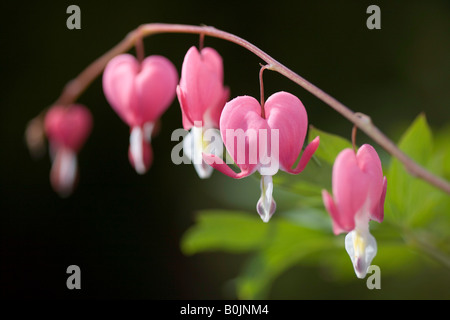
pixel 263 137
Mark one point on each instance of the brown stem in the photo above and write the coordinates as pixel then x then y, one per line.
pixel 75 87
pixel 261 90
pixel 201 41
pixel 354 130
pixel 139 46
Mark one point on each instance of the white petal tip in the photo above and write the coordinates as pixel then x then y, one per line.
pixel 203 170
pixel 266 212
pixel 199 141
pixel 266 206
pixel 362 248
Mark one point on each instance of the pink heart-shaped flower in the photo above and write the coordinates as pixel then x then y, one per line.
pixel 253 141
pixel 68 127
pixel 358 188
pixel 201 93
pixel 265 144
pixel 139 92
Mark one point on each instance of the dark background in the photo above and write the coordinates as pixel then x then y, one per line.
pixel 123 230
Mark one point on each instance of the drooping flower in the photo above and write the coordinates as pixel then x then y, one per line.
pixel 202 96
pixel 264 144
pixel 67 129
pixel 359 190
pixel 140 92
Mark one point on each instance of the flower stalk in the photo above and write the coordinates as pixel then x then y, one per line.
pixel 77 86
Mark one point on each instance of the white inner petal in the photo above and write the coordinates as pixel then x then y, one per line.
pixel 361 246
pixel 66 164
pixel 266 206
pixel 199 141
pixel 137 153
pixel 188 145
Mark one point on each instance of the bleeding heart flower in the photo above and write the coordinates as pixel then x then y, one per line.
pixel 67 128
pixel 140 93
pixel 202 96
pixel 264 144
pixel 359 190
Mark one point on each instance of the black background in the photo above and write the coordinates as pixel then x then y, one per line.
pixel 123 230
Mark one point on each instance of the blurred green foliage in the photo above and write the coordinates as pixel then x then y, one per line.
pixel 412 238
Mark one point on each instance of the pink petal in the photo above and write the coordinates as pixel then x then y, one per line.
pixel 155 87
pixel 378 210
pixel 370 165
pixel 139 93
pixel 306 156
pixel 119 87
pixel 202 85
pixel 350 188
pixel 286 113
pixel 213 114
pixel 218 164
pixel 330 206
pixel 187 122
pixel 239 126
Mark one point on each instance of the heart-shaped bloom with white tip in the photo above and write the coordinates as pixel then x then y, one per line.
pixel 202 96
pixel 359 190
pixel 140 92
pixel 264 144
pixel 67 129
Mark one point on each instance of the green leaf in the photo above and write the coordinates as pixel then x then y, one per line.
pixel 409 199
pixel 224 230
pixel 310 182
pixel 442 150
pixel 287 245
pixel 330 144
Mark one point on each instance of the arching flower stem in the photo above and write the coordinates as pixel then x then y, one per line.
pixel 77 86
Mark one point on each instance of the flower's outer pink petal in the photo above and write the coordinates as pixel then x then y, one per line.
pixel 202 85
pixel 306 156
pixel 155 87
pixel 120 89
pixel 69 126
pixel 213 114
pixel 330 206
pixel 370 165
pixel 187 122
pixel 377 213
pixel 218 164
pixel 240 123
pixel 286 113
pixel 350 188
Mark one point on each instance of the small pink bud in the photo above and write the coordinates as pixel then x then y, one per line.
pixel 67 129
